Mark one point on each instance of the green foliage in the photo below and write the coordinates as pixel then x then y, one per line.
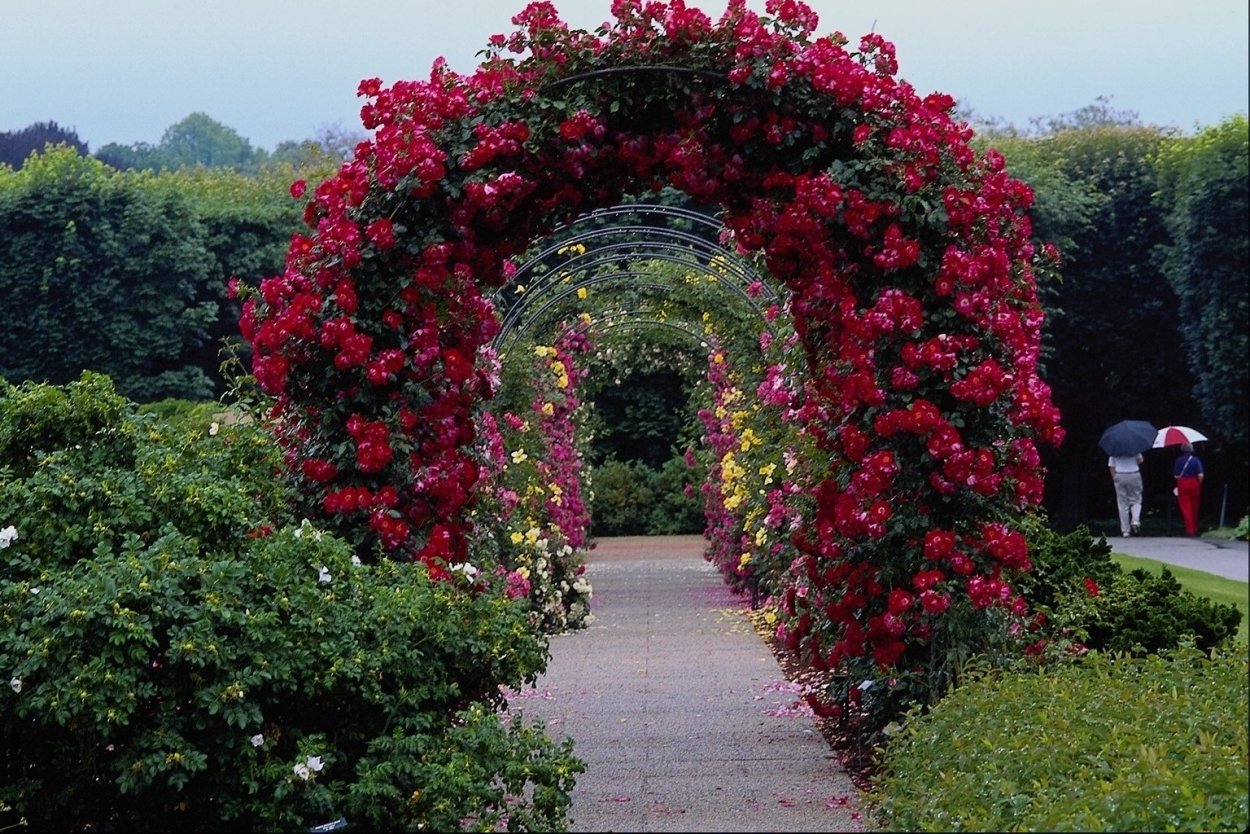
pixel 1242 530
pixel 1134 612
pixel 1095 179
pixel 101 472
pixel 108 272
pixel 1140 611
pixel 1108 744
pixel 36 420
pixel 187 413
pixel 126 274
pixel 632 499
pixel 148 672
pixel 1205 185
pixel 677 507
pixel 1062 561
pixel 643 417
pixel 623 498
pixel 182 655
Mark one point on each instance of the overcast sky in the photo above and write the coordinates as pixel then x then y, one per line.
pixel 125 70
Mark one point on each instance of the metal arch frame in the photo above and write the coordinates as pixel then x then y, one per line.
pixel 631 319
pixel 640 323
pixel 739 274
pixel 507 338
pixel 636 69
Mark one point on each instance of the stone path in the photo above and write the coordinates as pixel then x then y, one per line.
pixel 679 709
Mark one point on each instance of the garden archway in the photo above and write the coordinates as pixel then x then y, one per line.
pixel 606 247
pixel 908 257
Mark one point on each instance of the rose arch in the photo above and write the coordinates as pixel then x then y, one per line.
pixel 907 256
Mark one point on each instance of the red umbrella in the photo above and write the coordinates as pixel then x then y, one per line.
pixel 1176 435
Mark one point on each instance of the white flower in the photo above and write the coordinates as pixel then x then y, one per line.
pixel 865 685
pixel 467 569
pixel 323 575
pixel 16 685
pixel 306 526
pixel 258 740
pixel 314 763
pixel 7 535
pixel 355 559
pixel 213 429
pixel 302 771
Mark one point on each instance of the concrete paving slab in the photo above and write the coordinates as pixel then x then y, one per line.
pixel 679 709
pixel 1222 557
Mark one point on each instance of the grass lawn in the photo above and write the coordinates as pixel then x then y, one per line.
pixel 1200 583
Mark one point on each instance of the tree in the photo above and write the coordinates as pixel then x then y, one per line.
pixel 105 270
pixel 1203 186
pixel 17 146
pixel 140 156
pixel 1112 343
pixel 331 143
pixel 196 140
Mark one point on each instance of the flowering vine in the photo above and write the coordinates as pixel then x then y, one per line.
pixel 534 504
pixel 907 256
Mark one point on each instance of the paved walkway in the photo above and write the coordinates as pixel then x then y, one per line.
pixel 679 709
pixel 1222 557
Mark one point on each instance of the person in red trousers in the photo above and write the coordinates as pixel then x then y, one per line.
pixel 1188 473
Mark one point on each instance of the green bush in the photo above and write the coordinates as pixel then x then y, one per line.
pixel 185 413
pixel 161 687
pixel 623 498
pixel 673 511
pixel 182 655
pixel 1091 600
pixel 1112 743
pixel 632 499
pixel 1143 612
pixel 1242 531
pixel 85 415
pixel 1062 561
pixel 97 471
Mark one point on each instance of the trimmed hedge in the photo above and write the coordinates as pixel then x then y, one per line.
pixel 1111 743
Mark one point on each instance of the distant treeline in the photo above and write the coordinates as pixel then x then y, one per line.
pixel 195 140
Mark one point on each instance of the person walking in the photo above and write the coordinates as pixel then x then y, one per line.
pixel 1126 475
pixel 1188 473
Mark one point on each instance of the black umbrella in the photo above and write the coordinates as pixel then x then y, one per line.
pixel 1128 437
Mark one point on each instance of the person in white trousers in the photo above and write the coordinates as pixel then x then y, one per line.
pixel 1126 475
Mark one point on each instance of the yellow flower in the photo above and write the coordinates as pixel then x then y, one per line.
pixel 581 292
pixel 549 409
pixel 519 456
pixel 744 560
pixel 517 538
